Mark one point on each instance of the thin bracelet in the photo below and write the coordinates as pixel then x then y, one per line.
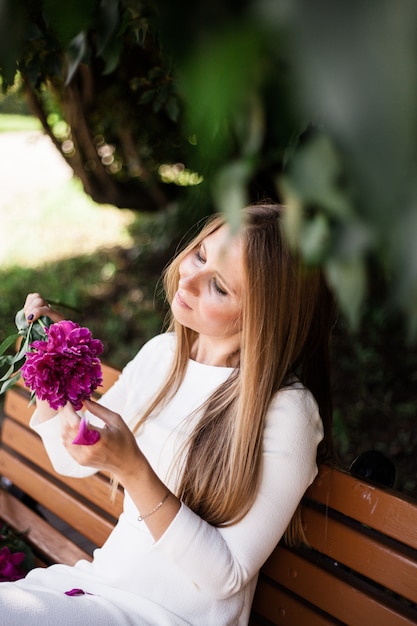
pixel 158 506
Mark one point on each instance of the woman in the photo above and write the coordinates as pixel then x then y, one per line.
pixel 213 431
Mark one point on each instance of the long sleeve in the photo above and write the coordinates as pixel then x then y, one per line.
pixel 222 561
pixel 62 461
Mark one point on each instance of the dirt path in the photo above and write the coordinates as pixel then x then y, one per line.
pixel 29 162
pixel 44 214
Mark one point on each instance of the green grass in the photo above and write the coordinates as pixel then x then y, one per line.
pixel 15 123
pixel 111 294
pixel 56 240
pixel 44 225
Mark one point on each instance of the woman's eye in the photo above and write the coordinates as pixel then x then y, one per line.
pixel 199 257
pixel 218 288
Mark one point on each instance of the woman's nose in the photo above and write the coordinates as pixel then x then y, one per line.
pixel 189 282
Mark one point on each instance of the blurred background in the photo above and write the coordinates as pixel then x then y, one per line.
pixel 122 123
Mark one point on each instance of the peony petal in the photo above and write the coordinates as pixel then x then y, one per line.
pixel 86 436
pixel 76 592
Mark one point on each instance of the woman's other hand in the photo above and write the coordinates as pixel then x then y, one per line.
pixel 35 306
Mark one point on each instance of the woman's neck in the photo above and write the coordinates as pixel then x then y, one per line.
pixel 215 352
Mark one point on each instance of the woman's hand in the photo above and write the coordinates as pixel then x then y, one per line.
pixel 35 306
pixel 116 451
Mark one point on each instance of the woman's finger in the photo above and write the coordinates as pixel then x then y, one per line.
pixel 35 306
pixel 72 419
pixel 110 418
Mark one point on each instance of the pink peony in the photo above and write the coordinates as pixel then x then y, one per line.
pixel 10 565
pixel 65 367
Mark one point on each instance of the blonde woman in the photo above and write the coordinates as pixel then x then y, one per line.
pixel 213 430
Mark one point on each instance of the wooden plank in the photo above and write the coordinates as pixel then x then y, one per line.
pixel 16 405
pixel 71 509
pixel 52 545
pixel 279 607
pixel 110 376
pixel 95 488
pixel 365 554
pixel 344 600
pixel 385 510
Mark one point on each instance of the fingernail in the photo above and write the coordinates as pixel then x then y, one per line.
pixel 30 317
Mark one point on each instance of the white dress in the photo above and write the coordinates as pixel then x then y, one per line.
pixel 194 574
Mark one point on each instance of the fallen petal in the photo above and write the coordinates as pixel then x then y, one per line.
pixel 77 592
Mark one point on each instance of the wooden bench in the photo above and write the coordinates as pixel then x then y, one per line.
pixel 360 567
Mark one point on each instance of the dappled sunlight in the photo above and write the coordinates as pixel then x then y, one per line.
pixel 178 174
pixel 44 213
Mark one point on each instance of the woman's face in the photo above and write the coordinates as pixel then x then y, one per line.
pixel 209 295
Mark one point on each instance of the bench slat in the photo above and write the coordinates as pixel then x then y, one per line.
pixel 368 556
pixel 95 488
pixel 69 508
pixel 347 601
pixel 280 607
pixel 51 544
pixel 16 405
pixel 110 375
pixel 385 510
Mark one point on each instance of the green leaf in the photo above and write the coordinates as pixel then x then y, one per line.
pixel 76 52
pixel 24 347
pixel 172 108
pixel 315 238
pixel 12 29
pixel 106 24
pixel 348 280
pixel 314 175
pixel 216 81
pixel 8 342
pixel 21 322
pixel 16 363
pixel 230 191
pixel 68 19
pixel 6 360
pixel 37 329
pixel 9 383
pixel 111 55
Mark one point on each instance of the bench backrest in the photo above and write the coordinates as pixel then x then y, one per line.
pixel 361 563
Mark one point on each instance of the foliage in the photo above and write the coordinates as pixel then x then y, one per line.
pixel 16 556
pixel 310 103
pixel 112 292
pixel 102 90
pixel 12 363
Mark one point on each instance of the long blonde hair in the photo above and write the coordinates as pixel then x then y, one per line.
pixel 285 329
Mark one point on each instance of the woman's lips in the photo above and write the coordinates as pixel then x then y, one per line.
pixel 181 302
